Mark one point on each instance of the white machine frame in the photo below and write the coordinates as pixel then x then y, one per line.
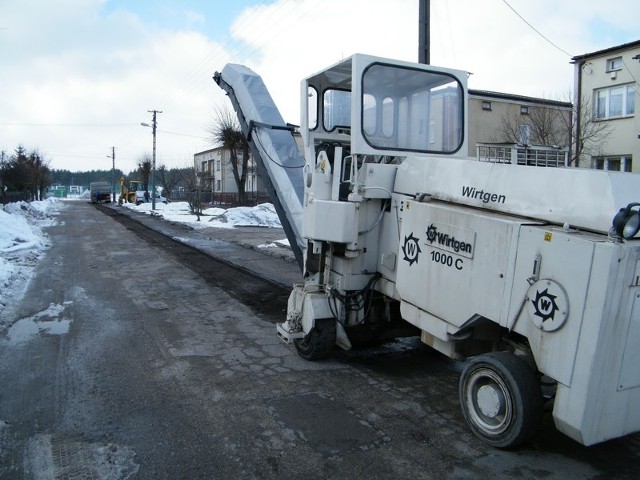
pixel 513 268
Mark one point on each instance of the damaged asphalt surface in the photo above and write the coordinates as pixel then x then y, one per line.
pixel 135 357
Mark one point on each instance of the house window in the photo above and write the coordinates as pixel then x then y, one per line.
pixel 524 110
pixel 614 64
pixel 218 185
pixel 615 102
pixel 486 105
pixel 217 165
pixel 614 164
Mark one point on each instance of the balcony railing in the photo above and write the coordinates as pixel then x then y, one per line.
pixel 531 155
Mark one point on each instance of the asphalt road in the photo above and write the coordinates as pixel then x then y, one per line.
pixel 124 360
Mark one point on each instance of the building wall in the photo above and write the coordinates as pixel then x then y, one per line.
pixel 204 163
pixel 215 174
pixel 485 123
pixel 488 109
pixel 607 79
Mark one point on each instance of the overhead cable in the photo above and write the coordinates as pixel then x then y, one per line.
pixel 536 30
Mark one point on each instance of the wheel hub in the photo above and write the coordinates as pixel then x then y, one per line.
pixel 489 407
pixel 490 401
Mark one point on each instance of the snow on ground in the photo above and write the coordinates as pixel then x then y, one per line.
pixel 263 215
pixel 22 244
pixel 278 243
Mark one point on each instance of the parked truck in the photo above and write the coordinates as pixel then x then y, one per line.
pixel 529 275
pixel 100 192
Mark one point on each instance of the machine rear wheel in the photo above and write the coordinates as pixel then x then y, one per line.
pixel 319 342
pixel 500 398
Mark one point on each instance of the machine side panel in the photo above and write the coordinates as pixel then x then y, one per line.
pixel 453 262
pixel 550 319
pixel 629 371
pixel 596 407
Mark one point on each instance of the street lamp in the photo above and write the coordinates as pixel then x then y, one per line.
pixel 153 126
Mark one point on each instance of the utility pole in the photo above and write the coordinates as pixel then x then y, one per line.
pixel 424 32
pixel 154 125
pixel 113 173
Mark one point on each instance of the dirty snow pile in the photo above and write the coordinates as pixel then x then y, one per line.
pixel 263 215
pixel 22 244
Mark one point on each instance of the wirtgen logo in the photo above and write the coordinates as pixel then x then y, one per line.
pixel 411 249
pixel 448 242
pixel 486 197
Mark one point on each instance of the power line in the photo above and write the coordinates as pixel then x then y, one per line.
pixel 630 72
pixel 91 125
pixel 87 156
pixel 198 72
pixel 184 135
pixel 276 27
pixel 280 31
pixel 536 30
pixel 64 125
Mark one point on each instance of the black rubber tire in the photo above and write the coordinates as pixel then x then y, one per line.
pixel 319 342
pixel 510 392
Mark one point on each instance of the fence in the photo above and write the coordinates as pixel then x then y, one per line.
pixel 219 198
pixel 537 156
pixel 11 197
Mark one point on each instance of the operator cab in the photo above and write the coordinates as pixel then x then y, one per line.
pixel 381 111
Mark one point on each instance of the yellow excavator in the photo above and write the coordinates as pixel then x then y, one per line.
pixel 128 191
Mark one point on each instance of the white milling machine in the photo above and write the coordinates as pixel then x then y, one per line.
pixel 525 272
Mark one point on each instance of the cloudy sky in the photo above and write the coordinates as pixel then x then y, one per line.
pixel 79 76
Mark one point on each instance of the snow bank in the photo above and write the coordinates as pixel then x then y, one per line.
pixel 22 243
pixel 263 215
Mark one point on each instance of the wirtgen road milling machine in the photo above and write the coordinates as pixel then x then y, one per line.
pixel 530 274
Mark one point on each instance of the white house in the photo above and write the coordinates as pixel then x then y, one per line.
pixel 215 176
pixel 606 89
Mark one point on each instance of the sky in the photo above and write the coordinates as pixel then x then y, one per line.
pixel 78 77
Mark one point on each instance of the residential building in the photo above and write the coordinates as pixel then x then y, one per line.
pixel 506 128
pixel 215 176
pixel 606 86
pixel 204 163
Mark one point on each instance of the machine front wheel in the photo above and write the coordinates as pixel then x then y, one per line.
pixel 500 398
pixel 319 342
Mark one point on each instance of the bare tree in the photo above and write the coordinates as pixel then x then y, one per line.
pixel 226 132
pixel 189 178
pixel 547 126
pixel 577 129
pixel 167 179
pixel 588 135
